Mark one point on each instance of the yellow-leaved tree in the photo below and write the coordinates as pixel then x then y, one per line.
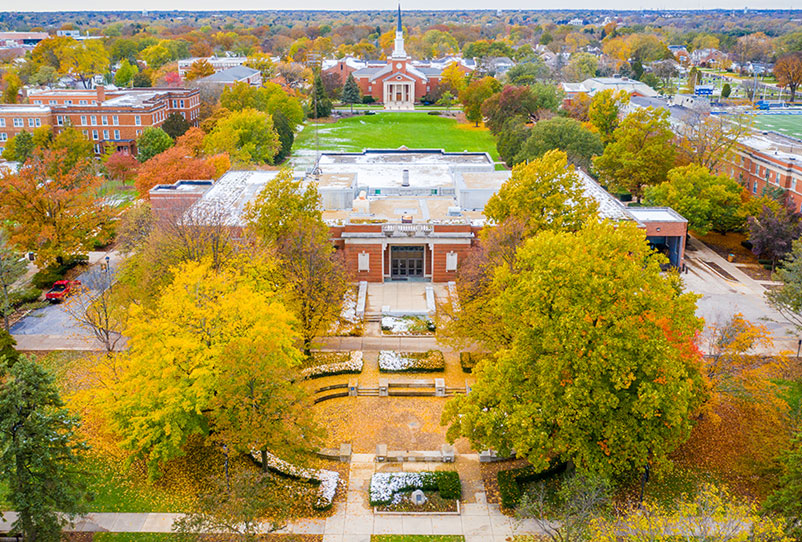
pixel 215 357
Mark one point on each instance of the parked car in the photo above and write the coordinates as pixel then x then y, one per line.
pixel 62 289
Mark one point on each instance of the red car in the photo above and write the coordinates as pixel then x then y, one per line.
pixel 62 289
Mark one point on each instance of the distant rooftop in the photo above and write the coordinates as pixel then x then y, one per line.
pixel 231 75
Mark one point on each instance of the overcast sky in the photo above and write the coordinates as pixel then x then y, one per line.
pixel 193 5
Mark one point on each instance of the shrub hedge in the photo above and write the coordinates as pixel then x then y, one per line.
pixel 448 484
pixel 20 297
pixel 468 360
pixel 509 481
pixel 45 278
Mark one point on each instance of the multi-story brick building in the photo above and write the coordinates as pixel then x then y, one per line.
pixel 401 214
pixel 115 116
pixel 768 160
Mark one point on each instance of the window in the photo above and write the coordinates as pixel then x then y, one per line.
pixel 182 104
pixel 81 102
pixel 37 102
pixel 94 120
pixel 105 134
pixel 175 104
pixel 754 187
pixel 105 120
pixel 18 123
pixel 451 261
pixel 97 148
pixel 3 136
pixel 94 102
pixel 116 134
pixel 31 123
pixel 83 120
pixel 86 133
pixel 138 133
pixel 2 123
pixel 793 184
pixel 137 120
pixel 59 120
pixel 52 102
pixel 67 102
pixel 115 120
pixel 38 122
pixel 94 135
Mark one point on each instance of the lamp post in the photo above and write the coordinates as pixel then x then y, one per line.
pixel 798 347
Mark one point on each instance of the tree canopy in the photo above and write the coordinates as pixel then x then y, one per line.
pixel 247 136
pixel 568 135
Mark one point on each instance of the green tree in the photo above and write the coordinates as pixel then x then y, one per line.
pixel 708 201
pixel 351 94
pixel 641 153
pixel 12 267
pixel 593 372
pixel 8 350
pixel 175 125
pixel 286 136
pixel 788 298
pixel 785 499
pixel 545 193
pixel 39 453
pixel 319 101
pixel 125 73
pixel 156 55
pixel 474 95
pixel 142 80
pixel 247 136
pixel 527 73
pixel 74 145
pixel 510 139
pixel 82 59
pixel 604 111
pixel 45 75
pixel 726 90
pixel 567 135
pixel 152 141
pixel 12 85
pixel 446 100
pixel 19 147
pixel 581 66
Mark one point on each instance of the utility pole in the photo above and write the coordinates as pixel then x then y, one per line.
pixel 315 61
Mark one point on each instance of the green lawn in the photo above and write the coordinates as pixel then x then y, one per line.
pixel 417 538
pixel 790 125
pixel 392 130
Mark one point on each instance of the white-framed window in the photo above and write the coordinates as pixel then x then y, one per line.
pixel 754 187
pixel 2 123
pixel 59 120
pixel 31 123
pixel 3 136
pixel 86 133
pixel 182 104
pixel 94 135
pixel 97 148
pixel 52 102
pixel 115 120
pixel 37 102
pixel 94 120
pixel 67 102
pixel 793 182
pixel 105 120
pixel 94 102
pixel 137 120
pixel 138 133
pixel 174 104
pixel 116 134
pixel 364 261
pixel 19 123
pixel 83 120
pixel 81 102
pixel 38 122
pixel 105 134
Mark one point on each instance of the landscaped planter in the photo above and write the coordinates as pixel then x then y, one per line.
pixel 391 361
pixel 407 325
pixel 390 490
pixel 326 480
pixel 334 363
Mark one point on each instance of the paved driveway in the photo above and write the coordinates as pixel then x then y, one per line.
pixel 54 319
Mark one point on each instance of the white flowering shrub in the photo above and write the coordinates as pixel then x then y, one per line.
pixel 334 363
pixel 327 480
pixel 391 361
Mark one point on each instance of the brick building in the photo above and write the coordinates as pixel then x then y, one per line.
pixel 409 215
pixel 765 160
pixel 116 116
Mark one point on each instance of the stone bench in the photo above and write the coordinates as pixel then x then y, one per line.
pixel 445 455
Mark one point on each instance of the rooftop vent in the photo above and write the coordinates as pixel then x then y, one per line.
pixel 454 211
pixel 405 178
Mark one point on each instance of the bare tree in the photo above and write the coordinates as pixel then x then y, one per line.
pixel 94 308
pixel 708 140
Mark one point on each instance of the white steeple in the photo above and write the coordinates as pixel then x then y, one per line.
pixel 398 50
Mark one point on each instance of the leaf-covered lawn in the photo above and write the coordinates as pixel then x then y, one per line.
pixel 392 130
pixel 417 538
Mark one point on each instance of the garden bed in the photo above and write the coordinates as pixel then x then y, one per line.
pixel 390 491
pixel 333 363
pixel 391 361
pixel 407 325
pixel 348 324
pixel 326 480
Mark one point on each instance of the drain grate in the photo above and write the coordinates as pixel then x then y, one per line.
pixel 720 270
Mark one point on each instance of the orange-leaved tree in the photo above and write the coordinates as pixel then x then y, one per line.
pixel 49 210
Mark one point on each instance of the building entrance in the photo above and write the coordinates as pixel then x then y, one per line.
pixel 406 262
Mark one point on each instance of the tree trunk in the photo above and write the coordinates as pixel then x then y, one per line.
pixel 5 306
pixel 264 460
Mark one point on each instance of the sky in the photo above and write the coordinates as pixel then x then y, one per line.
pixel 196 5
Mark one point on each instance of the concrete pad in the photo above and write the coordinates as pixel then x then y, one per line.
pixel 356 509
pixel 446 525
pixel 500 524
pixel 309 526
pixel 356 538
pixel 332 538
pixel 417 525
pixel 474 509
pixel 387 525
pixel 159 523
pixel 476 526
pixel 358 525
pixel 126 523
pixel 335 524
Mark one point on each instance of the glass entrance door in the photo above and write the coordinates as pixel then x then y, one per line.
pixel 406 262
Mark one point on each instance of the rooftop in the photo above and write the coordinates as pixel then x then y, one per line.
pixel 231 75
